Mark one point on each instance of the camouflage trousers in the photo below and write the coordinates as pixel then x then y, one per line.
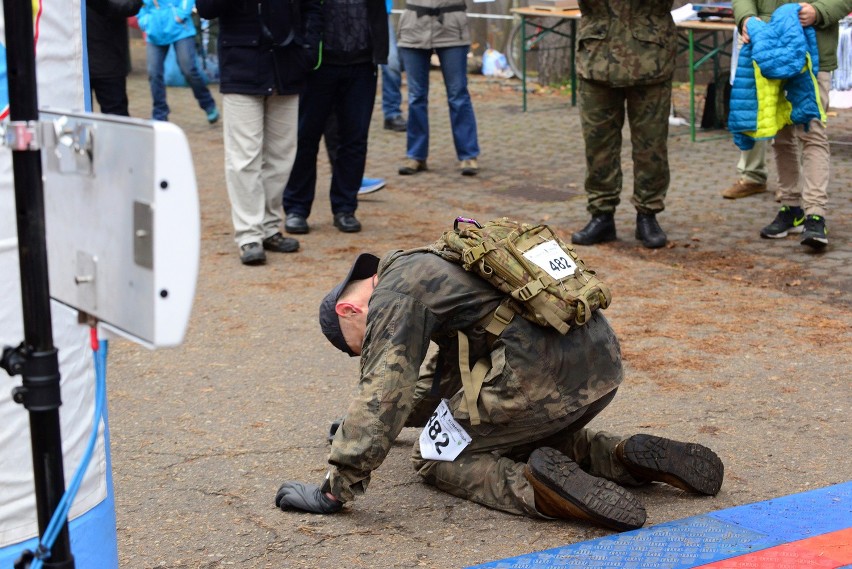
pixel 490 471
pixel 602 110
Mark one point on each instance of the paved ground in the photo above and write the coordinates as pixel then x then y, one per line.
pixel 739 343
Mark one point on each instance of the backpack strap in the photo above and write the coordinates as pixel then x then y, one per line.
pixel 472 379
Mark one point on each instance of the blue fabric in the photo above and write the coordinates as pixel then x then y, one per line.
pixel 185 51
pixel 780 49
pixel 462 120
pixel 161 25
pixel 392 78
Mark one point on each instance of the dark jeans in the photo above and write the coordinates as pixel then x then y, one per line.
pixel 349 92
pixel 111 93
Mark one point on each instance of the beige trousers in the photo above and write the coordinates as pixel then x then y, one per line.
pixel 803 157
pixel 260 146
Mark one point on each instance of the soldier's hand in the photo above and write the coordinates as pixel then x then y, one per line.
pixel 306 497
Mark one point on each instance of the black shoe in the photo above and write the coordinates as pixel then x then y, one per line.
pixel 252 254
pixel 790 219
pixel 564 490
pixel 649 232
pixel 296 224
pixel 688 466
pixel 815 234
pixel 280 244
pixel 347 223
pixel 600 229
pixel 396 124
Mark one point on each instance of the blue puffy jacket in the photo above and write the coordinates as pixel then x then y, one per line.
pixel 775 83
pixel 159 20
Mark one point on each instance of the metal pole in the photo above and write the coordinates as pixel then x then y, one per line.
pixel 40 392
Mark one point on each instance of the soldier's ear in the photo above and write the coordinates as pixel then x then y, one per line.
pixel 346 309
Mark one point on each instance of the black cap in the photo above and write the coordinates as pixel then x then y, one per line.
pixel 365 266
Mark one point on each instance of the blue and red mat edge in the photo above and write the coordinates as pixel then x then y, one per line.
pixel 700 540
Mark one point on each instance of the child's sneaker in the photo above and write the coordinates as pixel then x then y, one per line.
pixel 789 220
pixel 816 234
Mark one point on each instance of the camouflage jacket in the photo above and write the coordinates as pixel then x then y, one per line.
pixel 626 42
pixel 537 375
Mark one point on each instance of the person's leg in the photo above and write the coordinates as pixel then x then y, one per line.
pixel 156 56
pixel 354 109
pixel 416 62
pixel 490 471
pixel 751 166
pixel 331 138
pixel 243 132
pixel 281 127
pixel 462 120
pixel 785 146
pixel 185 53
pixel 315 104
pixel 391 79
pixel 816 157
pixel 602 120
pixel 648 114
pixel 111 93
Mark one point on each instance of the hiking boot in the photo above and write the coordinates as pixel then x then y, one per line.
pixel 743 189
pixel 347 223
pixel 252 254
pixel 649 232
pixel 412 166
pixel 688 466
pixel 280 244
pixel 469 167
pixel 296 224
pixel 790 219
pixel 396 124
pixel 564 490
pixel 370 185
pixel 212 115
pixel 815 234
pixel 600 229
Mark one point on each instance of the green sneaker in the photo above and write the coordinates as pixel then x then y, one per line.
pixel 789 220
pixel 815 234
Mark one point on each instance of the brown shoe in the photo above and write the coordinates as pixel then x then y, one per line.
pixel 564 490
pixel 469 167
pixel 688 466
pixel 412 166
pixel 743 189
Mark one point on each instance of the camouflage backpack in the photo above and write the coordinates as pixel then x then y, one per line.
pixel 544 280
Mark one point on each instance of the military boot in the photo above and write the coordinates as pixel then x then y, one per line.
pixel 564 490
pixel 600 229
pixel 688 466
pixel 649 232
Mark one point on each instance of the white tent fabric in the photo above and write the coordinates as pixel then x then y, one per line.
pixel 59 68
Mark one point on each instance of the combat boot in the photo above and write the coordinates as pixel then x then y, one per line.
pixel 564 490
pixel 649 232
pixel 600 229
pixel 688 466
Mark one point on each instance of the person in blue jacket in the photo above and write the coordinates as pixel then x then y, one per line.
pixel 169 23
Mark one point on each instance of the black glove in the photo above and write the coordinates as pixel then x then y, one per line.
pixel 306 497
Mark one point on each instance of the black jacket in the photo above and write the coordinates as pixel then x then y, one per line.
pixel 266 47
pixel 355 32
pixel 106 36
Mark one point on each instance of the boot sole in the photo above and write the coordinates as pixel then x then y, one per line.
pixel 688 466
pixel 565 489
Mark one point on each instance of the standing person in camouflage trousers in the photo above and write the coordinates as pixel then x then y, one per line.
pixel 529 453
pixel 625 55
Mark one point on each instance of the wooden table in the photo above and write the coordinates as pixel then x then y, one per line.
pixel 569 17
